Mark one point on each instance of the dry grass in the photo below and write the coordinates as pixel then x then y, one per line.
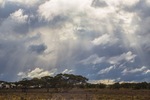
pixel 77 94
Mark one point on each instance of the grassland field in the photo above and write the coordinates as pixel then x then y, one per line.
pixel 75 94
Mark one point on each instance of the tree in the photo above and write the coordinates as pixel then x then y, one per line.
pixel 101 86
pixel 126 85
pixel 116 85
pixel 46 82
pixel 25 84
pixel 35 82
pixel 65 82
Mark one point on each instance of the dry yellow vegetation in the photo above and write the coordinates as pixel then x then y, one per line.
pixel 76 94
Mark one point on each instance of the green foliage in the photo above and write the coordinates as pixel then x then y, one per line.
pixel 65 82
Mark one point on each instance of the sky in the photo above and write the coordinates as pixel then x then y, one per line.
pixel 99 39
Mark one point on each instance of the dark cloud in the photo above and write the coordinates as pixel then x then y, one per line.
pixel 141 8
pixel 38 48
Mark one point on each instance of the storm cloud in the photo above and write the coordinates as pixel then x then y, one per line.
pixel 100 39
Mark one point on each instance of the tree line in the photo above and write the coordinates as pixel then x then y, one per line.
pixel 117 85
pixel 60 82
pixel 65 82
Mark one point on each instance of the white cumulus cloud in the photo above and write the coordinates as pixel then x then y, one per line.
pixel 136 70
pixel 93 59
pixel 53 8
pixel 37 72
pixel 67 71
pixel 129 57
pixel 106 70
pixel 105 39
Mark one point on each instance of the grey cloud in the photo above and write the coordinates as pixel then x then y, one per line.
pixel 14 55
pixel 74 36
pixel 11 58
pixel 15 23
pixel 99 3
pixel 136 75
pixel 38 48
pixel 9 8
pixel 33 20
pixel 141 8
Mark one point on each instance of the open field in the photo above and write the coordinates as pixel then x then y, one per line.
pixel 76 94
